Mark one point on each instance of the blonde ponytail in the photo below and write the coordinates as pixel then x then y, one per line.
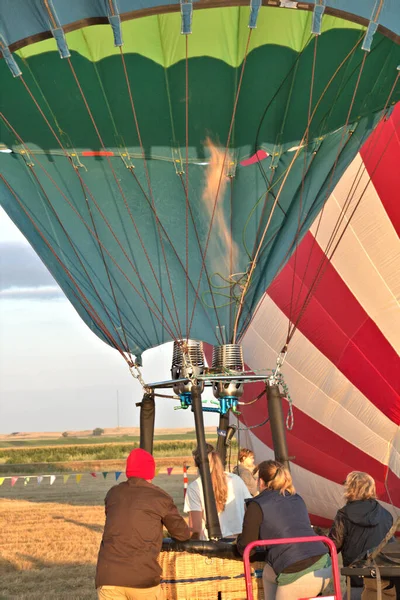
pixel 276 477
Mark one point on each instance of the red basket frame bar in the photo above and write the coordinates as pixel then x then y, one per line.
pixel 300 540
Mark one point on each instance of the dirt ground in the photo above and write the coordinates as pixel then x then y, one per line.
pixel 50 535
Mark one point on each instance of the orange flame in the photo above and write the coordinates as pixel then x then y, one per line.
pixel 213 196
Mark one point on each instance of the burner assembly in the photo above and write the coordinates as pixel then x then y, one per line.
pixel 188 368
pixel 228 360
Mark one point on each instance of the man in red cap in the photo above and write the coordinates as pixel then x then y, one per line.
pixel 136 511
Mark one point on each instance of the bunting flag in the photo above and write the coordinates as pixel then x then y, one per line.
pixel 169 470
pixel 52 478
pixel 185 480
pixel 157 472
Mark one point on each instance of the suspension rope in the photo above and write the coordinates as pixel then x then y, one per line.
pixel 39 184
pixel 296 239
pixel 179 331
pixel 69 160
pixel 325 260
pixel 196 291
pixel 221 174
pixel 106 269
pixel 268 106
pixel 327 194
pixel 85 185
pixel 87 305
pixel 187 176
pixel 123 196
pixel 161 319
pixel 173 133
pixel 164 231
pixel 254 262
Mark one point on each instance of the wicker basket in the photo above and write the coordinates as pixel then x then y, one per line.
pixel 188 576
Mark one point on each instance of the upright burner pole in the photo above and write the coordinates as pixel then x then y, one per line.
pixel 277 422
pixel 147 417
pixel 221 441
pixel 212 521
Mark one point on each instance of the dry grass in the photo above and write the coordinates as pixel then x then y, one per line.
pixel 108 431
pixel 50 535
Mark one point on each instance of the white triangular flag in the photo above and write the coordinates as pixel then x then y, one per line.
pixel 39 479
pixel 52 479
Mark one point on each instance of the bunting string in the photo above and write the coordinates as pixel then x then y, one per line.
pixel 77 477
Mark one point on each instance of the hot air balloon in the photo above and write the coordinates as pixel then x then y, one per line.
pixel 166 161
pixel 342 368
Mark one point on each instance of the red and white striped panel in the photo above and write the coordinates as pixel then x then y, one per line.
pixel 343 366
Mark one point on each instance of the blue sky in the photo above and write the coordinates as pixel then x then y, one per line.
pixel 55 374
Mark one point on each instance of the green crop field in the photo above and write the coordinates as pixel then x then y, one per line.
pixel 67 441
pixel 51 454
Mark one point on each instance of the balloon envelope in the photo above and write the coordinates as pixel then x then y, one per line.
pixel 343 363
pixel 151 231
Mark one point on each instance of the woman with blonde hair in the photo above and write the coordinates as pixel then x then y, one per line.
pixel 361 524
pixel 230 494
pixel 291 571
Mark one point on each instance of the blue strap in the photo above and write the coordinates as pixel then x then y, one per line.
pixel 57 32
pixel 61 42
pixel 319 10
pixel 9 59
pixel 372 27
pixel 187 13
pixel 254 10
pixel 115 23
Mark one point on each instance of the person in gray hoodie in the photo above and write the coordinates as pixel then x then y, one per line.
pixel 360 526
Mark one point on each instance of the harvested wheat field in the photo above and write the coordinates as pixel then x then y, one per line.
pixel 50 535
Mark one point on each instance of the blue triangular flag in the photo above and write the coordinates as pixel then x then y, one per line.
pixel 117 474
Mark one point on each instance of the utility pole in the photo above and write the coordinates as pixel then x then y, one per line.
pixel 117 409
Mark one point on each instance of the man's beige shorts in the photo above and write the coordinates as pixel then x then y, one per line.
pixel 111 592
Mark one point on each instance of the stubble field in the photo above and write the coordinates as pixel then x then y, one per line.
pixel 50 535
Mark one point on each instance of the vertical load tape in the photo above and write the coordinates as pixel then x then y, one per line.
pixel 56 29
pixel 9 59
pixel 187 14
pixel 369 36
pixel 254 10
pixel 319 10
pixel 115 21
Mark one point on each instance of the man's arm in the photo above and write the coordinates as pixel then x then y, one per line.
pixel 194 508
pixel 176 525
pixel 251 526
pixel 195 523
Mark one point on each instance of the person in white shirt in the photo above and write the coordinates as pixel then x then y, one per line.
pixel 230 494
